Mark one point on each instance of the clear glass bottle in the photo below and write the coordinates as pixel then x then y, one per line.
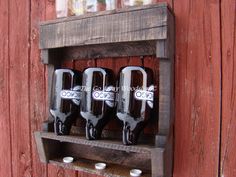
pixel 135 101
pixel 111 4
pixel 97 101
pixel 77 7
pixel 128 3
pixel 61 8
pixel 100 5
pixel 65 99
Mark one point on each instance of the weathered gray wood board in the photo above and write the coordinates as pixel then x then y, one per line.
pixel 135 25
pixel 134 32
pixel 53 148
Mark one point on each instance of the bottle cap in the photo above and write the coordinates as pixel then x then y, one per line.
pixel 135 172
pixel 68 159
pixel 100 166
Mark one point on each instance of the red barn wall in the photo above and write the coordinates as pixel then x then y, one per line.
pixel 205 82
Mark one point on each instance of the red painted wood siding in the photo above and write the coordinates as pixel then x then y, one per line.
pixel 205 133
pixel 228 142
pixel 198 88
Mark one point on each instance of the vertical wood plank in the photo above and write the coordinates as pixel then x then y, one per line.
pixel 19 49
pixel 228 142
pixel 5 135
pixel 50 9
pixel 153 63
pixel 198 88
pixel 37 85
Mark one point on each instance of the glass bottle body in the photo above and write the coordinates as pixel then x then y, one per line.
pixel 97 105
pixel 135 101
pixel 128 3
pixel 65 99
pixel 100 5
pixel 61 8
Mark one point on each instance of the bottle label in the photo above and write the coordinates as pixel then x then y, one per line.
pixel 74 94
pixel 107 95
pixel 145 95
pixel 91 5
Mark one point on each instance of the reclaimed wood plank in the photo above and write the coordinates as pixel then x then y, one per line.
pixel 37 84
pixel 139 156
pixel 228 135
pixel 43 156
pixel 108 51
pixel 198 88
pixel 108 144
pixel 134 25
pixel 58 171
pixel 88 166
pixel 5 135
pixel 153 63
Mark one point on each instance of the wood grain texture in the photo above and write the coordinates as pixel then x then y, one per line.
pixel 60 172
pixel 19 41
pixel 111 171
pixel 153 63
pixel 109 50
pixel 134 25
pixel 197 88
pixel 5 135
pixel 37 85
pixel 50 9
pixel 107 144
pixel 138 156
pixel 228 142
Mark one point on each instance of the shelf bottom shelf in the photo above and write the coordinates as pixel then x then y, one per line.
pixel 87 166
pixel 153 161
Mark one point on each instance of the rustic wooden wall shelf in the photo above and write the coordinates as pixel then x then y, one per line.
pixel 136 31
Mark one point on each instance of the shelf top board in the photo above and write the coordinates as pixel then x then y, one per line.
pixel 134 24
pixel 107 144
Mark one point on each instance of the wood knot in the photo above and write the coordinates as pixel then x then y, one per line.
pixel 60 172
pixel 228 53
pixel 34 34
